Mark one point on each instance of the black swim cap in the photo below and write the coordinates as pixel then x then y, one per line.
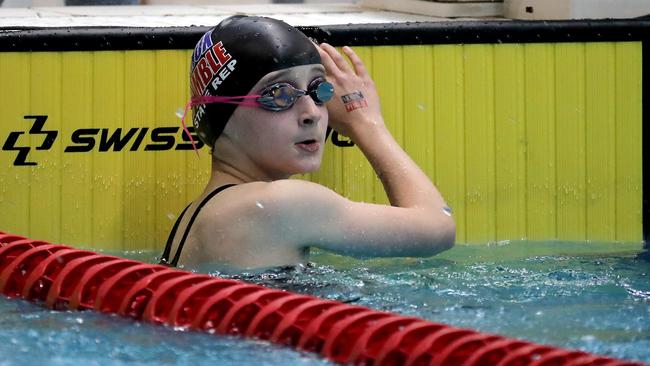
pixel 233 56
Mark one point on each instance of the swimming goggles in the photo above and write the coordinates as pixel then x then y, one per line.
pixel 276 97
pixel 282 96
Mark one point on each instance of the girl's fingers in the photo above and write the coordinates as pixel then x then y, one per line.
pixel 327 61
pixel 359 67
pixel 336 57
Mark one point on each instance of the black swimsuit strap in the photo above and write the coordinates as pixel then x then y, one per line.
pixel 168 247
pixel 164 259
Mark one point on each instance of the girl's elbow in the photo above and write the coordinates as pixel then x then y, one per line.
pixel 444 236
pixel 448 238
pixel 450 233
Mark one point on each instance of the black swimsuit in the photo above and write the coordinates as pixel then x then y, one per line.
pixel 168 247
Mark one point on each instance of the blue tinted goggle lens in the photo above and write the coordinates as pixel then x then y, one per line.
pixel 321 92
pixel 282 96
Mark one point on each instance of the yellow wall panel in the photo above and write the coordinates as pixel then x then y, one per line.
pixel 570 140
pixel 600 89
pixel 537 141
pixel 509 142
pixel 139 176
pixel 357 179
pixel 628 142
pixel 479 143
pixel 539 101
pixel 108 168
pixel 77 183
pixel 14 104
pixel 45 184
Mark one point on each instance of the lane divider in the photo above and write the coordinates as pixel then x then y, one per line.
pixel 63 278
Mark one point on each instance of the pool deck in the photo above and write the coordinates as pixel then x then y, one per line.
pixel 206 15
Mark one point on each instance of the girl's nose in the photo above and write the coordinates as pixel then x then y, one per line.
pixel 310 113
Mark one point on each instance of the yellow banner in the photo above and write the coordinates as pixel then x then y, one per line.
pixel 536 141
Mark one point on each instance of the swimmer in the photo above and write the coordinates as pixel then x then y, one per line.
pixel 263 96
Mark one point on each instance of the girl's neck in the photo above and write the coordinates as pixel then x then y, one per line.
pixel 226 173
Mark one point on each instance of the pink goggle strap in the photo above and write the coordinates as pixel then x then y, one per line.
pixel 247 100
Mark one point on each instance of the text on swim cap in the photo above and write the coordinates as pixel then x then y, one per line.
pixel 223 74
pixel 204 44
pixel 207 67
pixel 219 78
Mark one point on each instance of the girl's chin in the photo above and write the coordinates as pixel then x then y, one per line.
pixel 292 165
pixel 307 167
pixel 306 170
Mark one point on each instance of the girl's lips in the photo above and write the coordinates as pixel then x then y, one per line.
pixel 309 145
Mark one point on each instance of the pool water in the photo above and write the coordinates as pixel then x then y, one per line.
pixel 579 299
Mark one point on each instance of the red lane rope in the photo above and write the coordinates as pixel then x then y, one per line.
pixel 61 277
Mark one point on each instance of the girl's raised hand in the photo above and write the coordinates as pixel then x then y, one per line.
pixel 355 101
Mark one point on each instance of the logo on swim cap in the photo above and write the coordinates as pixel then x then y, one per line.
pixel 212 67
pixel 203 45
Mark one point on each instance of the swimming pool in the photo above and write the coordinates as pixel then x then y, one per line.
pixel 580 298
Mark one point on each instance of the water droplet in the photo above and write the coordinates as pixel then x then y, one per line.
pixel 180 112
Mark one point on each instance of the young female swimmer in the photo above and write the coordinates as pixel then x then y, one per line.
pixel 263 96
